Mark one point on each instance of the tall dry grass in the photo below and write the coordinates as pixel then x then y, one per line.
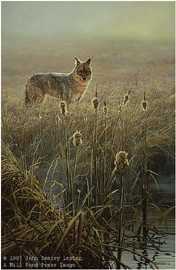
pixel 65 194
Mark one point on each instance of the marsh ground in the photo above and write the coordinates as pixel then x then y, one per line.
pixel 117 67
pixel 34 139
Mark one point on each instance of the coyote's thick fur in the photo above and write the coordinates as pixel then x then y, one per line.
pixel 66 86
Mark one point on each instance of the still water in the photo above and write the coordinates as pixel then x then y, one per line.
pixel 163 256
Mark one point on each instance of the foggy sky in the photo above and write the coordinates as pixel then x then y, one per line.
pixel 125 20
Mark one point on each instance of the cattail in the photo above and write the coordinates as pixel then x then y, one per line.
pixel 105 109
pixel 121 160
pixel 77 138
pixel 63 107
pixel 40 117
pixel 126 98
pixel 95 101
pixel 144 103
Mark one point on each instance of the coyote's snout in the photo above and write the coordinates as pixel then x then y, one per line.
pixel 66 86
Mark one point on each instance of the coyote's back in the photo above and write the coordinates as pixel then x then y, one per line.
pixel 67 86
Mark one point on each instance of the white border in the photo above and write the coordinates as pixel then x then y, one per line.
pixel 0 70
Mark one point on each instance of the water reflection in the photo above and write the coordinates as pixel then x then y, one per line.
pixel 158 252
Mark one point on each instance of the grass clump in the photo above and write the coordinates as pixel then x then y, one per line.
pixel 32 227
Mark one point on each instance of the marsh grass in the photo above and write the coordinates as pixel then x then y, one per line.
pixel 64 198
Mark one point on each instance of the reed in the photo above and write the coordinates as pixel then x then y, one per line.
pixel 145 178
pixel 121 163
pixel 64 112
pixel 95 103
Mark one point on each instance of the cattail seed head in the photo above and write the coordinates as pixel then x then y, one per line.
pixel 126 97
pixel 77 138
pixel 105 109
pixel 144 103
pixel 63 107
pixel 95 103
pixel 121 160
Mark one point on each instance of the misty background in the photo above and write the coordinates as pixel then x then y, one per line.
pixel 45 36
pixel 122 20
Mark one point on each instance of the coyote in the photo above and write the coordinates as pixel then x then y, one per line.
pixel 66 86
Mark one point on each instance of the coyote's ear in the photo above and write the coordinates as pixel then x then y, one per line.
pixel 77 61
pixel 88 61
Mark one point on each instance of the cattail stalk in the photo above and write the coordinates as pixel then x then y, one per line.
pixel 144 177
pixel 105 142
pixel 63 108
pixel 67 163
pixel 125 120
pixel 121 163
pixel 75 162
pixel 77 141
pixel 92 172
pixel 145 184
pixel 120 232
pixel 95 157
pixel 119 119
pixel 95 104
pixel 73 176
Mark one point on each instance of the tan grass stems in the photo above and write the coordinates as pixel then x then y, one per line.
pixel 94 228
